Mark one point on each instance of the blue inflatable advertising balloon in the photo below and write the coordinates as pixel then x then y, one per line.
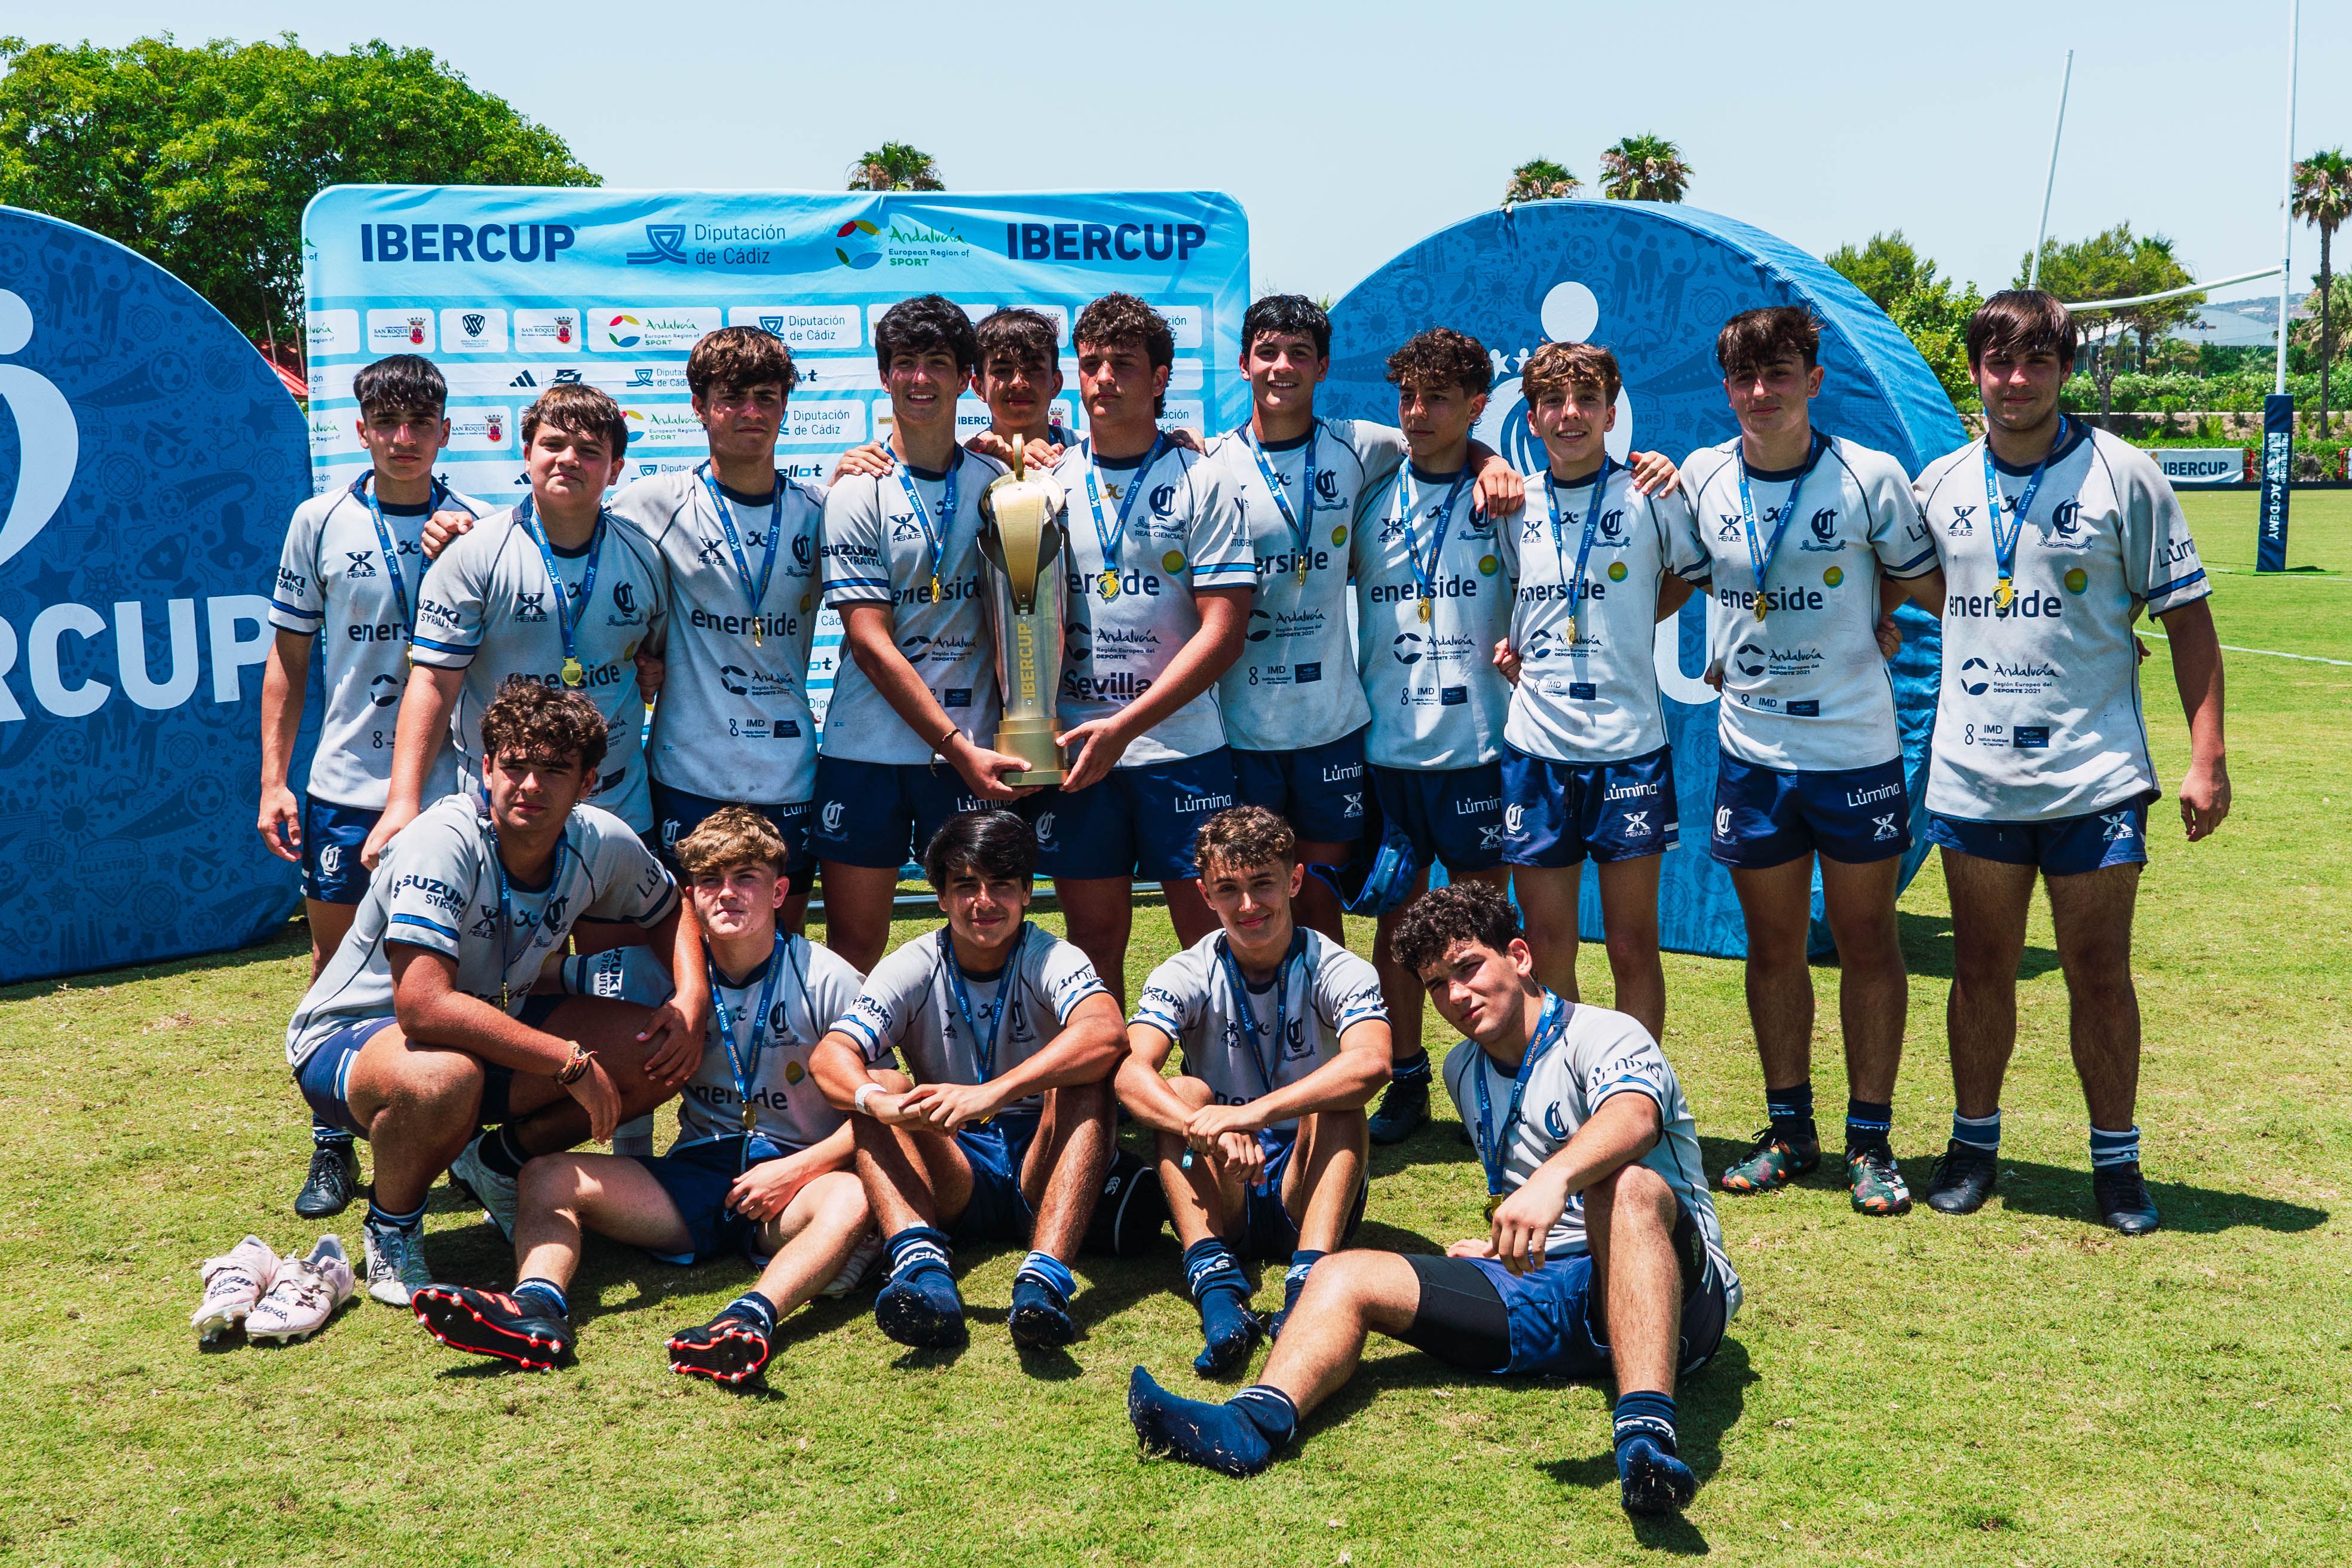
pixel 1654 283
pixel 148 463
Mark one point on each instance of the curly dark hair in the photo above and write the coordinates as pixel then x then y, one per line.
pixel 1244 837
pixel 1122 320
pixel 547 722
pixel 1029 336
pixel 580 410
pixel 1556 368
pixel 738 359
pixel 1442 357
pixel 927 323
pixel 1754 339
pixel 1290 315
pixel 1460 912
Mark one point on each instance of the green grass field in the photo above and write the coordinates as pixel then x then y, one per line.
pixel 2019 1387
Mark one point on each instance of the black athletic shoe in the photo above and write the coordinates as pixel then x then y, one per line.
pixel 2122 1196
pixel 728 1349
pixel 1963 1179
pixel 488 1322
pixel 333 1182
pixel 1404 1109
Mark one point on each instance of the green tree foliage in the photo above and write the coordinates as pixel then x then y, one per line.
pixel 895 166
pixel 1645 169
pixel 1541 180
pixel 2111 264
pixel 1929 310
pixel 2322 194
pixel 203 159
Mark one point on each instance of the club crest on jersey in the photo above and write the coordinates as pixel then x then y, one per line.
pixel 1327 486
pixel 331 860
pixel 625 599
pixel 1824 531
pixel 1723 822
pixel 1553 1125
pixel 831 817
pixel 1163 499
pixel 1612 527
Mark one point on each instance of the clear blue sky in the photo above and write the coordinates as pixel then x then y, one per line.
pixel 1350 134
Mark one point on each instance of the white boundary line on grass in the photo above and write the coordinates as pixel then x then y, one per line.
pixel 2264 652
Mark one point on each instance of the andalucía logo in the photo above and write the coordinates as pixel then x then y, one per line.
pixel 622 330
pixel 861 234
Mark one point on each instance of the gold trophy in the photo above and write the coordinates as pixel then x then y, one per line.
pixel 1023 539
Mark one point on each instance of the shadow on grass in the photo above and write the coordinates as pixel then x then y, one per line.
pixel 1709 1405
pixel 2053 1192
pixel 1438 1143
pixel 286 941
pixel 1927 948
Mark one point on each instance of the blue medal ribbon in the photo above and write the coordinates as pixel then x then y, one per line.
pixel 2005 547
pixel 506 909
pixel 1425 573
pixel 935 540
pixel 1759 554
pixel 744 1064
pixel 366 492
pixel 574 673
pixel 755 592
pixel 1301 521
pixel 1584 547
pixel 1494 1145
pixel 1106 534
pixel 983 1046
pixel 1239 985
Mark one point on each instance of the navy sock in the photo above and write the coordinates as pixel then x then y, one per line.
pixel 2115 1148
pixel 1867 1123
pixel 754 1308
pixel 545 1294
pixel 1044 1266
pixel 329 1137
pixel 500 1153
pixel 1645 1414
pixel 1977 1132
pixel 1269 1410
pixel 1413 1071
pixel 1237 1438
pixel 384 1219
pixel 1791 1110
pixel 1301 1261
pixel 918 1248
pixel 1220 1290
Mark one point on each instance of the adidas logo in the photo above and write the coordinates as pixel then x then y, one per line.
pixel 525 379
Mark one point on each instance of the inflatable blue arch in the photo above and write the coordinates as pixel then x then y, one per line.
pixel 1653 283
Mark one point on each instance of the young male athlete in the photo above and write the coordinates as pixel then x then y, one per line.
pixel 902 565
pixel 351 570
pixel 1286 1038
pixel 1001 1126
pixel 552 590
pixel 763 1165
pixel 1586 771
pixel 423 1026
pixel 738 538
pixel 2054 537
pixel 1160 577
pixel 1604 1258
pixel 1795 530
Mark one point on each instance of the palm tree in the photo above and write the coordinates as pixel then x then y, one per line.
pixel 1541 180
pixel 895 166
pixel 2323 198
pixel 1645 169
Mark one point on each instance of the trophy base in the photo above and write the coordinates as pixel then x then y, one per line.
pixel 1031 739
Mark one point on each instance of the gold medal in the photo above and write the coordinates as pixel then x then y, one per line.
pixel 755 636
pixel 1302 570
pixel 1759 609
pixel 575 674
pixel 1494 1202
pixel 1109 582
pixel 2004 593
pixel 750 1118
pixel 1571 629
pixel 1425 609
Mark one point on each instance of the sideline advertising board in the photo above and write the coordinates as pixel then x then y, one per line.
pixel 2205 465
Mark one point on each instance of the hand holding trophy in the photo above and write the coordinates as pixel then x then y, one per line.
pixel 1023 539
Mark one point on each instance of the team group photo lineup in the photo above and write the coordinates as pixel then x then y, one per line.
pixel 570 803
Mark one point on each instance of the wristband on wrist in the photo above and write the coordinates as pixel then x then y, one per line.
pixel 858 1100
pixel 576 1069
pixel 947 739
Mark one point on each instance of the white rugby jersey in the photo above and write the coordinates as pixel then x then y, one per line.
pixel 1597 1055
pixel 733 721
pixel 1325 991
pixel 1437 700
pixel 437 888
pixel 875 553
pixel 908 1005
pixel 485 610
pixel 2038 714
pixel 1806 688
pixel 1184 531
pixel 1295 683
pixel 1594 698
pixel 333 578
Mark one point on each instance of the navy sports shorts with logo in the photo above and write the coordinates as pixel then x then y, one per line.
pixel 882 813
pixel 678 813
pixel 1454 814
pixel 325 1077
pixel 1269 1231
pixel 2065 847
pixel 1319 790
pixel 996 1150
pixel 1556 813
pixel 1474 1314
pixel 1137 822
pixel 696 1178
pixel 1770 816
pixel 331 836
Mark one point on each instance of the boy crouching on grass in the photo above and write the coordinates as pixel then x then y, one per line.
pixel 761 1165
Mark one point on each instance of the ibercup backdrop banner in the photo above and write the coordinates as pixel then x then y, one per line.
pixel 510 290
pixel 148 463
pixel 1654 283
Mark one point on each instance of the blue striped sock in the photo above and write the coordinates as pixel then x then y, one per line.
pixel 545 1294
pixel 1052 1271
pixel 1790 1110
pixel 1867 1123
pixel 754 1308
pixel 1977 1132
pixel 2115 1148
pixel 384 1219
